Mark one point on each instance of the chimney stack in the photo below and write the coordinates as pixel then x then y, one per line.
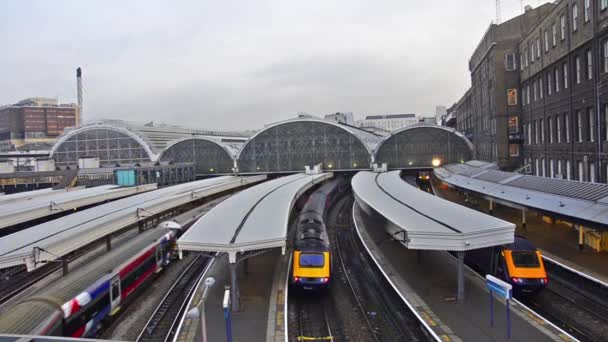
pixel 79 91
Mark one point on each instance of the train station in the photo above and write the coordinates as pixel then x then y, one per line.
pixel 306 230
pixel 297 172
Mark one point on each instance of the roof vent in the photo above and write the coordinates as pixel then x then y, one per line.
pixel 527 9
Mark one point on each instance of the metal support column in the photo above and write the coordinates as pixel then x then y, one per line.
pixel 109 243
pixel 64 266
pixel 460 277
pixel 234 282
pixel 491 206
pixel 523 218
pixel 581 237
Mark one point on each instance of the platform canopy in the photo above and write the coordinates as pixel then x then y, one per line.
pixel 254 219
pixel 584 202
pixel 423 221
pixel 53 239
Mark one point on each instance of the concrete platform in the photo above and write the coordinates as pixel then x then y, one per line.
pixel 261 308
pixel 429 285
pixel 557 240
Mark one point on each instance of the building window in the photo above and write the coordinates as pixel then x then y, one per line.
pixel 562 27
pixel 589 65
pixel 521 61
pixel 577 63
pixel 565 72
pixel 605 50
pixel 529 134
pixel 538 47
pixel 542 162
pixel 528 94
pixel 549 84
pixel 558 128
pixel 592 172
pixel 587 4
pixel 604 4
pixel 526 57
pixel 542 130
pixel 540 86
pixel 551 169
pixel 606 122
pixel 535 86
pixel 510 64
pixel 579 125
pixel 574 17
pixel 512 97
pixel 513 150
pixel 567 126
pixel 537 167
pixel 580 171
pixel 546 41
pixel 532 55
pixel 554 34
pixel 591 134
pixel 568 170
pixel 550 121
pixel 556 80
pixel 559 169
pixel 536 132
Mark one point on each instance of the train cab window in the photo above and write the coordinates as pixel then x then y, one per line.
pixel 498 270
pixel 312 260
pixel 115 290
pixel 525 259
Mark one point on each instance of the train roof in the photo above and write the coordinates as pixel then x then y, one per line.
pixel 316 200
pixel 521 244
pixel 74 283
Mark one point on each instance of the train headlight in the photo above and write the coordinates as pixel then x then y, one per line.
pixel 436 162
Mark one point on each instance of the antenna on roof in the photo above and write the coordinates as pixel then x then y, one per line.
pixel 498 14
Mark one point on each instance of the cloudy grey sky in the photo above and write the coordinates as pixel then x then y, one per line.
pixel 240 64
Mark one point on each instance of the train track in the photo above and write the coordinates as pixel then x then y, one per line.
pixel 162 324
pixel 313 321
pixel 387 318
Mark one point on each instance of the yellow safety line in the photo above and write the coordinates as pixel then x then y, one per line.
pixel 308 338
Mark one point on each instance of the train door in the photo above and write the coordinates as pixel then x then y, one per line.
pixel 114 294
pixel 499 270
pixel 159 258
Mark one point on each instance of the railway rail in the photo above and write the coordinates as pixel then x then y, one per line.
pixel 313 321
pixel 573 301
pixel 162 324
pixel 386 315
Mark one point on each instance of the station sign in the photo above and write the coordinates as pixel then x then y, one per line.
pixel 499 287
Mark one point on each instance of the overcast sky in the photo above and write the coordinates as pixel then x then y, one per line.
pixel 240 64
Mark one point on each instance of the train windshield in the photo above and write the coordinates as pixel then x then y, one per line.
pixel 312 260
pixel 525 259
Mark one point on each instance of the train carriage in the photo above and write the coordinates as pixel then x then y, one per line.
pixel 77 304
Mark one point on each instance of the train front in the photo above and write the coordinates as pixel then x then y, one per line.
pixel 311 264
pixel 526 270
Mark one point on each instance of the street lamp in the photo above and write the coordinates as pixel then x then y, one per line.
pixel 199 310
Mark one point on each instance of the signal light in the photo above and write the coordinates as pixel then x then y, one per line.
pixel 544 281
pixel 296 279
pixel 324 280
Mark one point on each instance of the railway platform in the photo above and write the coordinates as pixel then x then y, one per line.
pixel 427 281
pixel 261 285
pixel 557 240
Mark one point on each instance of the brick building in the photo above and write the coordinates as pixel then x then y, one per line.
pixel 490 108
pixel 35 120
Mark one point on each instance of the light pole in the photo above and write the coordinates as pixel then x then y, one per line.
pixel 199 310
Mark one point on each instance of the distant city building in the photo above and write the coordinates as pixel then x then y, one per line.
pixel 34 120
pixel 346 118
pixel 428 120
pixel 439 112
pixel 389 122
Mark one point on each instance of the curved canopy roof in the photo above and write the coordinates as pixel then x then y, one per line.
pixel 288 146
pixel 416 146
pixel 426 221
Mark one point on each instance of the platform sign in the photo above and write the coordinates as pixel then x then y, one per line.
pixel 503 290
pixel 227 317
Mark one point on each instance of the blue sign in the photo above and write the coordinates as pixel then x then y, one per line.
pixel 504 290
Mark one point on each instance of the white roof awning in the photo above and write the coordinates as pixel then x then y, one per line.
pixel 256 218
pixel 428 222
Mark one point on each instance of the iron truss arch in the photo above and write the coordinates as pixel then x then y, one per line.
pixel 417 146
pixel 289 146
pixel 112 145
pixel 209 156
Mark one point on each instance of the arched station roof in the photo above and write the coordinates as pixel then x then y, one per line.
pixel 210 156
pixel 111 144
pixel 416 146
pixel 289 146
